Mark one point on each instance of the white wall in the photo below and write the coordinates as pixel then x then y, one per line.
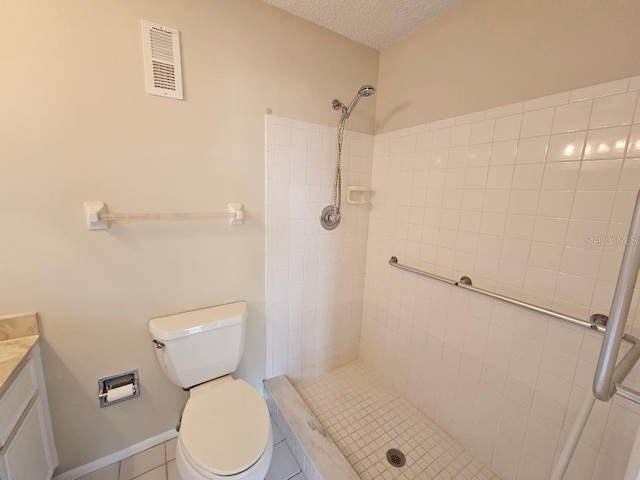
pixel 487 53
pixel 511 197
pixel 315 277
pixel 76 125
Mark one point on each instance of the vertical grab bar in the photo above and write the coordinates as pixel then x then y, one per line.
pixel 603 381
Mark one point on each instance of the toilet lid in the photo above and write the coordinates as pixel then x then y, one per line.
pixel 225 430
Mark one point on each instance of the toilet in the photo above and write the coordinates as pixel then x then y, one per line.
pixel 225 430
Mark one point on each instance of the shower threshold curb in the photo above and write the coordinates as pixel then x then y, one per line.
pixel 327 459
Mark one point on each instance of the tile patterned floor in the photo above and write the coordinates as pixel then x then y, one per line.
pixel 365 418
pixel 158 463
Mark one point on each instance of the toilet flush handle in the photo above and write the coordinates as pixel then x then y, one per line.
pixel 158 344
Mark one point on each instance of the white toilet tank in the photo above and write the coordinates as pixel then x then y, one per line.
pixel 198 346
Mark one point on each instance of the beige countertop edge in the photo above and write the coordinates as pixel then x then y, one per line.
pixel 13 356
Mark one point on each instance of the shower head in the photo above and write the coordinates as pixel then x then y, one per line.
pixel 365 91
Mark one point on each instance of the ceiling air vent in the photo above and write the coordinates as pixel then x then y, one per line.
pixel 162 68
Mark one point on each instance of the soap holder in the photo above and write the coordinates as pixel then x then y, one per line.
pixel 357 195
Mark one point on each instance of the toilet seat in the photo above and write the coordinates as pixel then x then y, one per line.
pixel 225 430
pixel 258 471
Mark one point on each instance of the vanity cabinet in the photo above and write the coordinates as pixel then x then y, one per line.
pixel 27 451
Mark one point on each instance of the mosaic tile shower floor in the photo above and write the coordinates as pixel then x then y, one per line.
pixel 366 417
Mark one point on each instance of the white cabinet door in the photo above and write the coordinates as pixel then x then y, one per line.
pixel 26 456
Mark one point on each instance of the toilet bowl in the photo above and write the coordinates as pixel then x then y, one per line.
pixel 225 430
pixel 225 433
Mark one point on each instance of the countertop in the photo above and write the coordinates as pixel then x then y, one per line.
pixel 18 335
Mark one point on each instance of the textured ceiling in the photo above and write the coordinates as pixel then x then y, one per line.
pixel 376 23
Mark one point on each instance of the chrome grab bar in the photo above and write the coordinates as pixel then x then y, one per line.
pixel 624 367
pixel 613 375
pixel 604 381
pixel 628 393
pixel 393 261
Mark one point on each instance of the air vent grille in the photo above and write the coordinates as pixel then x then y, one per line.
pixel 163 71
pixel 161 44
pixel 164 75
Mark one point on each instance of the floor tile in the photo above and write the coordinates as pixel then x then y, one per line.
pixel 299 476
pixel 142 462
pixel 172 471
pixel 170 449
pixel 159 473
pixel 277 434
pixel 110 472
pixel 366 417
pixel 283 464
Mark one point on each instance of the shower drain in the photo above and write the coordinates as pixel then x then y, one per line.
pixel 395 457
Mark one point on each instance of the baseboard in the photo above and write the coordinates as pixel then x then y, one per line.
pixel 117 456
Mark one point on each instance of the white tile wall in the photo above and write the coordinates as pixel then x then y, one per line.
pixel 315 278
pixel 527 200
pixel 482 197
pixel 504 382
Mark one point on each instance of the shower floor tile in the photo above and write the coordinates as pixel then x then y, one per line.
pixel 366 417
